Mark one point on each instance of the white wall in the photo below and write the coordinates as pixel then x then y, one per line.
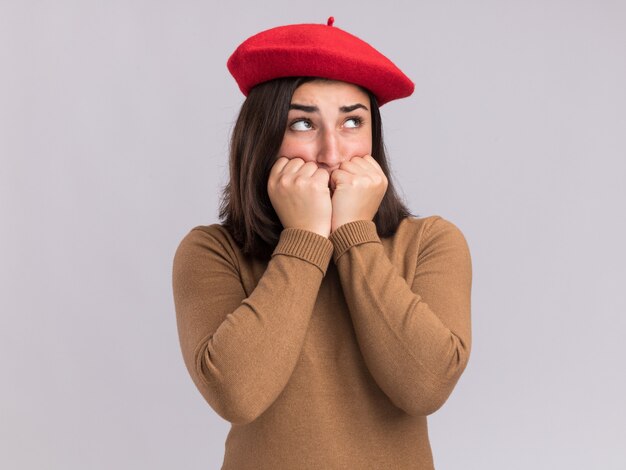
pixel 114 123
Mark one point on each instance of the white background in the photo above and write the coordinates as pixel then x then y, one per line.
pixel 114 125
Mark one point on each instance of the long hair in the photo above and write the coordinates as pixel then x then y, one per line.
pixel 245 207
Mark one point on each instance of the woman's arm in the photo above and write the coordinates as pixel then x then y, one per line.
pixel 241 351
pixel 415 337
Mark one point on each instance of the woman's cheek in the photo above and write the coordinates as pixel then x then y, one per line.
pixel 360 145
pixel 293 150
pixel 362 149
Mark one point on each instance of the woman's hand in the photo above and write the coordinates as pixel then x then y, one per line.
pixel 300 195
pixel 359 187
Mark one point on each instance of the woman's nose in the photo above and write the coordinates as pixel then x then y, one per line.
pixel 329 150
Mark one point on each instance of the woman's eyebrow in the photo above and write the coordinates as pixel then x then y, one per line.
pixel 315 109
pixel 307 109
pixel 348 109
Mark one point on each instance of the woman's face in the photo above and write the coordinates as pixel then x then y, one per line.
pixel 329 122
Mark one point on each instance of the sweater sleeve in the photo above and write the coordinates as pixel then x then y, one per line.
pixel 415 336
pixel 241 350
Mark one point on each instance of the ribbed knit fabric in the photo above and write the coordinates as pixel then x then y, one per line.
pixel 332 354
pixel 307 246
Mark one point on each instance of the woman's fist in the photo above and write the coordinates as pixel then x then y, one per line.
pixel 359 187
pixel 300 195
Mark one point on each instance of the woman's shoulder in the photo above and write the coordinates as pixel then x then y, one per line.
pixel 215 230
pixel 212 238
pixel 428 230
pixel 426 222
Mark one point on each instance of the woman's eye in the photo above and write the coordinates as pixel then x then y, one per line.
pixel 300 125
pixel 353 122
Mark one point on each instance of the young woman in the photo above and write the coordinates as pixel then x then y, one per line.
pixel 321 318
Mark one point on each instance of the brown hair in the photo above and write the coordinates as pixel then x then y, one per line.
pixel 245 207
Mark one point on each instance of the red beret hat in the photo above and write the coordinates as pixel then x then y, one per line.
pixel 317 50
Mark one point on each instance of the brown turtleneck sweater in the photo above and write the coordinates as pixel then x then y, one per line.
pixel 332 354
